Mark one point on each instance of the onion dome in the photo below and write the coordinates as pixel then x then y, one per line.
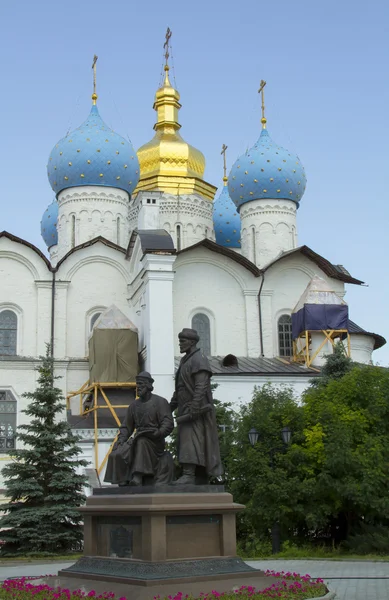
pixel 266 171
pixel 167 162
pixel 226 220
pixel 93 154
pixel 49 224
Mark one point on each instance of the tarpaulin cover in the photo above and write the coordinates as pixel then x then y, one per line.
pixel 113 348
pixel 319 308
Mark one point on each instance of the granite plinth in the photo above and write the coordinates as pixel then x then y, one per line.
pixel 152 573
pixel 159 489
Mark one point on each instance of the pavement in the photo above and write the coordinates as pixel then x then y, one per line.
pixel 350 579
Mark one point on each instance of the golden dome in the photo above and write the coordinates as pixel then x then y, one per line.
pixel 167 162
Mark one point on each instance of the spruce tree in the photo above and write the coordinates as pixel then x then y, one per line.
pixel 42 483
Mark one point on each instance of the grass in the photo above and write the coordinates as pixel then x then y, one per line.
pixel 292 552
pixel 40 557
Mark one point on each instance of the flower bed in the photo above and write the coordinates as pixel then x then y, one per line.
pixel 292 586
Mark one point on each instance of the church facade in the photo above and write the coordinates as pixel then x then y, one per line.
pixel 143 231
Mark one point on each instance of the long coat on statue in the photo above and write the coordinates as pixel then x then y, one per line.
pixel 142 453
pixel 198 441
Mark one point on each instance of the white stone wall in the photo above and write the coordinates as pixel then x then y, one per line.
pixel 226 292
pixel 362 347
pixel 268 227
pixel 238 390
pixel 88 281
pixel 191 213
pixel 91 211
pixel 284 283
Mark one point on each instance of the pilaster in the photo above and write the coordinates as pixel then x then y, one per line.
pixel 158 321
pixel 252 322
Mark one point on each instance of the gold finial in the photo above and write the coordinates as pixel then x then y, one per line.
pixel 225 178
pixel 94 95
pixel 262 92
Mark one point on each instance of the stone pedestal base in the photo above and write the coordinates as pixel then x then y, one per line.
pixel 169 535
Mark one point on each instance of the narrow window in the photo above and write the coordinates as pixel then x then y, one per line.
pixel 118 231
pixel 73 232
pixel 7 421
pixel 201 324
pixel 253 245
pixel 93 320
pixel 285 335
pixel 8 332
pixel 178 230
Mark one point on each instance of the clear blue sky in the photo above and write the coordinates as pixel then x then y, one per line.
pixel 327 98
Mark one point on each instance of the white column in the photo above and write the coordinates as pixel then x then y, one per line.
pixel 317 338
pixel 60 319
pixel 252 322
pixel 158 321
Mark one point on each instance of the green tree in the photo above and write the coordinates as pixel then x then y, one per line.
pixel 347 451
pixel 266 477
pixel 42 484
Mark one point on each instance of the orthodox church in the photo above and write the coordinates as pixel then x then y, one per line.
pixel 142 233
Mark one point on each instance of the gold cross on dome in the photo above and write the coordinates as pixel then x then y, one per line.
pixel 166 44
pixel 94 95
pixel 224 148
pixel 262 92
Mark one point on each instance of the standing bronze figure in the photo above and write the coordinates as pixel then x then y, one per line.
pixel 139 458
pixel 198 442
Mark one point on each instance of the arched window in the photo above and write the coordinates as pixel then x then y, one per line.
pixel 7 420
pixel 93 320
pixel 8 332
pixel 178 230
pixel 285 335
pixel 201 324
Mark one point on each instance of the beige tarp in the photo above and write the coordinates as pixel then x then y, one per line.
pixel 113 348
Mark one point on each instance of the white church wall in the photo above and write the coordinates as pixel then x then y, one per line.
pixel 26 289
pixel 239 390
pixel 188 218
pixel 362 347
pixel 210 283
pixel 91 211
pixel 285 281
pixel 98 277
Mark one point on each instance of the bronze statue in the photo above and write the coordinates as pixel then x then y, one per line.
pixel 139 458
pixel 198 442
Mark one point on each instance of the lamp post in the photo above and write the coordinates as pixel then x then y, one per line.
pixel 286 438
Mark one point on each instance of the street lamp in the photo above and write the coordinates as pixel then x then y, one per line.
pixel 253 436
pixel 286 435
pixel 286 438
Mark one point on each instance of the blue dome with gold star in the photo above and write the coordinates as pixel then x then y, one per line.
pixel 266 171
pixel 226 221
pixel 49 224
pixel 93 154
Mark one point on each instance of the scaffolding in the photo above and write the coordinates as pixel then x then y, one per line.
pixel 302 345
pixel 94 398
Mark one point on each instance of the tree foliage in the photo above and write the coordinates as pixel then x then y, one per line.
pixel 331 483
pixel 42 484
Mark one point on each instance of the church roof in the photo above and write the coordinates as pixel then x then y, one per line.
pixel 334 271
pixel 87 244
pixel 19 240
pixel 260 366
pixel 152 240
pixel 213 247
pixel 379 340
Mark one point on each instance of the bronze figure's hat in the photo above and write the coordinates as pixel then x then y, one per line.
pixel 189 334
pixel 144 375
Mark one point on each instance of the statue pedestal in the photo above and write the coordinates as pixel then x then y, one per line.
pixel 154 536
